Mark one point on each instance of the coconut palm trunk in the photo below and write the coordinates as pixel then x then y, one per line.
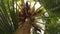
pixel 24 28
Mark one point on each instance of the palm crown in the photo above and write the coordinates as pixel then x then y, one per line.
pixel 14 20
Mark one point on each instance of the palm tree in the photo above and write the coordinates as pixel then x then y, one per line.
pixel 17 21
pixel 20 18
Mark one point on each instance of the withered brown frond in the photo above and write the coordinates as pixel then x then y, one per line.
pixel 27 12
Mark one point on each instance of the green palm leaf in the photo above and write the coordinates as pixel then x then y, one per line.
pixel 9 18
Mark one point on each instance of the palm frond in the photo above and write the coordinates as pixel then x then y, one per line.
pixel 9 18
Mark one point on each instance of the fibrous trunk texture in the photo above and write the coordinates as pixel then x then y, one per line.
pixel 24 29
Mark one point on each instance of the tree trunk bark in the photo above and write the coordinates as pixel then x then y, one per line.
pixel 24 29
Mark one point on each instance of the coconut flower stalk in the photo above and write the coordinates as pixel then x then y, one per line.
pixel 26 18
